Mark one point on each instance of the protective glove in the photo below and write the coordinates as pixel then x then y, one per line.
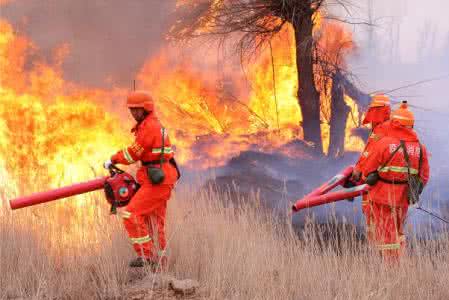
pixel 107 164
pixel 349 183
pixel 356 175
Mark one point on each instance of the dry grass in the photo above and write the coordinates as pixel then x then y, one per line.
pixel 234 251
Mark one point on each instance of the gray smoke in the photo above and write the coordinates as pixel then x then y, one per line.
pixel 109 39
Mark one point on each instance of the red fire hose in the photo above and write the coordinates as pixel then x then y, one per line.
pixel 343 194
pixel 322 196
pixel 337 180
pixel 56 194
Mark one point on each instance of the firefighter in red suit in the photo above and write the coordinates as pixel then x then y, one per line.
pixel 378 113
pixel 144 216
pixel 392 167
pixel 377 116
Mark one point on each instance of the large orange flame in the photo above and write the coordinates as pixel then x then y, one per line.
pixel 51 131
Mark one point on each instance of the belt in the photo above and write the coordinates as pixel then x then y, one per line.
pixel 399 182
pixel 154 162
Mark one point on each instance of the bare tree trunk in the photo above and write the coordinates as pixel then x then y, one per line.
pixel 339 115
pixel 308 96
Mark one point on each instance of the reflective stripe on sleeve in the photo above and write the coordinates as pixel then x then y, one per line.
pixel 128 157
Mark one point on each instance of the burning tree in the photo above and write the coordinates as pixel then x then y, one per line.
pixel 257 22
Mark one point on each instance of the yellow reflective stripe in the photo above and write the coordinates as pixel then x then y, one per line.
pixel 124 214
pixel 141 240
pixel 383 247
pixel 167 150
pixel 398 170
pixel 128 156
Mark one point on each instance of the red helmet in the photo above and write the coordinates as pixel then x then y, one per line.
pixel 140 99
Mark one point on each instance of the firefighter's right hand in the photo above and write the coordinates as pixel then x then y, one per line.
pixel 107 164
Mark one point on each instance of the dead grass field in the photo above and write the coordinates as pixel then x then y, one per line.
pixel 79 251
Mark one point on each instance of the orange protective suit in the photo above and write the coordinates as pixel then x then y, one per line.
pixel 388 198
pixel 377 116
pixel 144 216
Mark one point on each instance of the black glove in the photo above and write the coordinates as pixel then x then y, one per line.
pixel 349 183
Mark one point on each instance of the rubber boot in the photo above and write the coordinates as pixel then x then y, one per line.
pixel 141 262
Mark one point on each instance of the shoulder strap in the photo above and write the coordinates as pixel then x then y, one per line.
pixel 391 156
pixel 163 146
pixel 407 158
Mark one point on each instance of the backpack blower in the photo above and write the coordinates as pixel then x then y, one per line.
pixel 119 188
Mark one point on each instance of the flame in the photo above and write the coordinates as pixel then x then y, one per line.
pixel 352 143
pixel 50 136
pixel 214 116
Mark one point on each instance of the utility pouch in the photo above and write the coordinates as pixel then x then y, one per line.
pixel 372 178
pixel 156 174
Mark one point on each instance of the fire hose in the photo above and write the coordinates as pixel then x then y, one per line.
pixel 322 194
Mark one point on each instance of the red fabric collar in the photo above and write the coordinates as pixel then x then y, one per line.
pixel 395 129
pixel 377 115
pixel 147 118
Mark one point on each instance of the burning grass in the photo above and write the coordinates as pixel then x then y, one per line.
pixel 235 251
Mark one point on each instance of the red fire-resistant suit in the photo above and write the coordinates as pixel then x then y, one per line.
pixel 144 216
pixel 388 198
pixel 378 117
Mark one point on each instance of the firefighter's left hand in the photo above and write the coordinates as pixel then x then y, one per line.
pixel 107 164
pixel 356 175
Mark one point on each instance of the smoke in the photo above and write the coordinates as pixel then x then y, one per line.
pixel 109 40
